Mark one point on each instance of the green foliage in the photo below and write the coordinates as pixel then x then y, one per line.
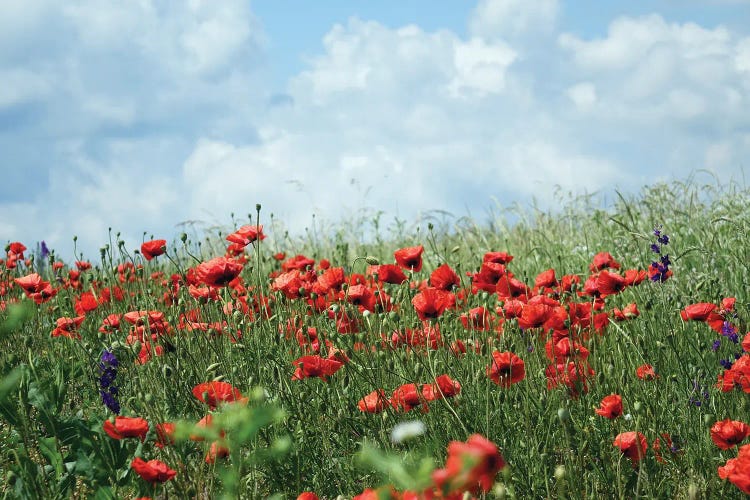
pixel 297 435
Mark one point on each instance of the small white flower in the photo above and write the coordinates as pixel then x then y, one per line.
pixel 407 430
pixel 628 416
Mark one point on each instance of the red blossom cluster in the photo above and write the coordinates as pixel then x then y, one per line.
pixel 409 396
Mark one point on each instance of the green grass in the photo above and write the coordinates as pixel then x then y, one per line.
pixel 51 438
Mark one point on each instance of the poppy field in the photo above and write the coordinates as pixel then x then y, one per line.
pixel 573 353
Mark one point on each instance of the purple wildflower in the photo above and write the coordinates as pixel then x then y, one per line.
pixel 107 374
pixel 726 364
pixel 661 267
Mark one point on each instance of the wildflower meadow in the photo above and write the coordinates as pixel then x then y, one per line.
pixel 583 351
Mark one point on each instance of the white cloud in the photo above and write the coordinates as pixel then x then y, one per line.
pixel 480 67
pixel 513 18
pixel 21 85
pixel 742 56
pixel 583 95
pixel 158 116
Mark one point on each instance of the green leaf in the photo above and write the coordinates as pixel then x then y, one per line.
pixel 389 466
pixel 48 447
pixel 103 493
pixel 10 382
pixel 18 314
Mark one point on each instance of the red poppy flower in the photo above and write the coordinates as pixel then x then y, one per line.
pixel 470 466
pixel 85 303
pixel 545 279
pixel 410 258
pixel 387 273
pixel 153 248
pixel 165 434
pixel 297 263
pixel 407 397
pixel 488 276
pixel 331 279
pixel 603 260
pixel 126 427
pixel 608 283
pixel 476 319
pixel 610 407
pixel 141 317
pixel 362 296
pixel 307 495
pixel 507 286
pixel 506 369
pixel 17 248
pixel 111 323
pixel 246 235
pixel 497 257
pixel 375 402
pixel 728 433
pixel 444 387
pixel 512 308
pixel 83 265
pixel 535 315
pixel 153 471
pixel 564 349
pixel 697 312
pixel 737 376
pixel 737 470
pixel 288 283
pixel 645 372
pixel 431 302
pixel 215 392
pixel 574 375
pixel 30 283
pixel 36 288
pixel 67 327
pixel 630 311
pixel 315 366
pixel 426 336
pixel 632 444
pixel 634 276
pixel 216 451
pixel 444 278
pixel 218 272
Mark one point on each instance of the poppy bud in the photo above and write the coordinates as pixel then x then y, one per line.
pixel 373 261
pixel 183 237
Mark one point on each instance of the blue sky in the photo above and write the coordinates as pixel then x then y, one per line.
pixel 144 115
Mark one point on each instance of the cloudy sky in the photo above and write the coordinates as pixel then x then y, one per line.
pixel 145 114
